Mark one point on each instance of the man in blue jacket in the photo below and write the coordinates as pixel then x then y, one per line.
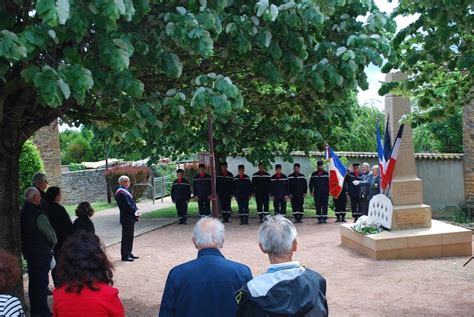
pixel 287 288
pixel 204 286
pixel 129 214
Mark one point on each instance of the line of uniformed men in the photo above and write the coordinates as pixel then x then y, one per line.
pixel 262 186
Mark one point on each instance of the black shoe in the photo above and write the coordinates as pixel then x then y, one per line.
pixel 128 259
pixel 134 257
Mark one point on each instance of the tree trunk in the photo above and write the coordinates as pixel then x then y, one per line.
pixel 9 207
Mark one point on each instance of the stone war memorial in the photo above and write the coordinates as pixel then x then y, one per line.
pixel 413 234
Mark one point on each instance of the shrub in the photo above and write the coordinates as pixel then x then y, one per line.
pixel 137 174
pixel 30 163
pixel 76 167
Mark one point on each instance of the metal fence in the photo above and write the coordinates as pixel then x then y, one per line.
pixel 161 187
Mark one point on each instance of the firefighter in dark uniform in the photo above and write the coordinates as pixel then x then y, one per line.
pixel 261 188
pixel 298 187
pixel 279 190
pixel 243 193
pixel 319 189
pixel 180 195
pixel 354 191
pixel 340 202
pixel 202 191
pixel 224 187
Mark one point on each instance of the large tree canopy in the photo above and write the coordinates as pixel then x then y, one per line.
pixel 156 68
pixel 437 53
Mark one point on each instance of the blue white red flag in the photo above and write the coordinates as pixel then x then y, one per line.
pixel 387 180
pixel 381 156
pixel 337 172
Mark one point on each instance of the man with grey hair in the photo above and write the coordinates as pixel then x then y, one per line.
pixel 37 239
pixel 287 288
pixel 40 182
pixel 204 287
pixel 129 214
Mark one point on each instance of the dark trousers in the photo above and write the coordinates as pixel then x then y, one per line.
pixel 182 210
pixel 204 205
pixel 262 201
pixel 243 206
pixel 279 205
pixel 321 204
pixel 38 269
pixel 297 206
pixel 54 272
pixel 226 209
pixel 356 207
pixel 128 229
pixel 340 204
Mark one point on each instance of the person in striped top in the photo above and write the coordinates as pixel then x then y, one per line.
pixel 10 306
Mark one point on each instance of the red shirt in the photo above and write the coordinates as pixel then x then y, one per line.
pixel 102 303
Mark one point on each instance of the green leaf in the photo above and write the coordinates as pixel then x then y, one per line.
pixel 171 65
pixel 181 10
pixel 120 6
pixel 341 50
pixel 64 88
pixel 275 50
pixel 46 9
pixel 11 47
pixel 261 6
pixel 263 39
pixel 62 10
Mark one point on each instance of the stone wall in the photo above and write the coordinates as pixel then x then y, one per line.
pixel 468 141
pixel 86 185
pixel 47 141
pixel 443 186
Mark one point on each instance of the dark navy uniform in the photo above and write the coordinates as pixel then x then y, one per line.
pixel 364 193
pixel 319 189
pixel 202 190
pixel 354 194
pixel 261 187
pixel 180 195
pixel 371 186
pixel 279 190
pixel 340 202
pixel 242 193
pixel 225 187
pixel 298 187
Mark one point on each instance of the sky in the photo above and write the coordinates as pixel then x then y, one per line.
pixel 374 75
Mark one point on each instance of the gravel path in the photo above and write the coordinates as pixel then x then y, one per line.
pixel 357 285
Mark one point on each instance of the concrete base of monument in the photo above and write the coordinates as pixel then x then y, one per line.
pixel 440 240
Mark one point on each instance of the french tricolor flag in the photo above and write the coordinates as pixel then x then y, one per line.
pixel 388 173
pixel 337 172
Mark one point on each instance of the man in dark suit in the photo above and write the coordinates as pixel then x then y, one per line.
pixel 129 214
pixel 204 287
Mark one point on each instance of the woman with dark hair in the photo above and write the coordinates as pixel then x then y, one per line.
pixel 9 275
pixel 84 212
pixel 85 278
pixel 59 220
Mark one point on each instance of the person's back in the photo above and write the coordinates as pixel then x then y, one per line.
pixel 287 288
pixel 102 302
pixel 207 285
pixel 10 306
pixel 289 291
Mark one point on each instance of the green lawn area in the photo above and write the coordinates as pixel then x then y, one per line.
pixel 170 212
pixel 98 206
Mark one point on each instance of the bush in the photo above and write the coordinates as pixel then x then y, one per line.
pixel 137 174
pixel 30 163
pixel 76 167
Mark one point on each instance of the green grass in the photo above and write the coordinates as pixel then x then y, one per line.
pixel 170 212
pixel 98 206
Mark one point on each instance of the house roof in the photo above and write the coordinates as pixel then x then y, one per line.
pixel 418 156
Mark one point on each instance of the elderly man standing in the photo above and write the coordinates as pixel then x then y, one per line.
pixel 129 214
pixel 38 239
pixel 204 286
pixel 287 288
pixel 40 182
